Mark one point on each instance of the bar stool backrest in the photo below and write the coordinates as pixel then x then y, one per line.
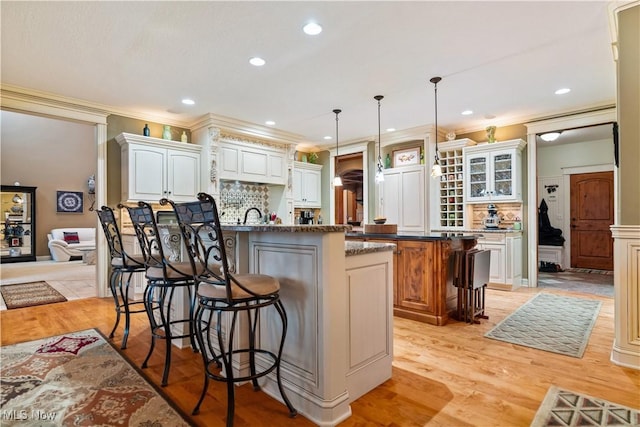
pixel 114 239
pixel 145 227
pixel 200 227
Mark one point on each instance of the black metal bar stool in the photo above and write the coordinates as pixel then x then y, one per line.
pixel 227 296
pixel 165 275
pixel 123 265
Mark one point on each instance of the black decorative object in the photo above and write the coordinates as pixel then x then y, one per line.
pixel 146 131
pixel 70 202
pixel 547 234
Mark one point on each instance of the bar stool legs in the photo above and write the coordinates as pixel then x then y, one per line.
pixel 159 302
pixel 219 365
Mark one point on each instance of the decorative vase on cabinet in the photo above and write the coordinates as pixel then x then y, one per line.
pixel 166 133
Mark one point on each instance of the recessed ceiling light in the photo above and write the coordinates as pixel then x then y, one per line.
pixel 312 29
pixel 563 91
pixel 258 62
pixel 269 123
pixel 327 137
pixel 467 112
pixel 188 101
pixel 390 129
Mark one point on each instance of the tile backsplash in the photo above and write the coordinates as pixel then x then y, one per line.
pixel 508 213
pixel 237 197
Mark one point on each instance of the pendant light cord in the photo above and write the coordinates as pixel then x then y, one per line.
pixel 435 81
pixel 378 98
pixel 337 111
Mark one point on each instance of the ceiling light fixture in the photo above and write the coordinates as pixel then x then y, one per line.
pixel 256 61
pixel 391 129
pixel 270 123
pixel 328 137
pixel 312 28
pixel 436 169
pixel 550 136
pixel 379 172
pixel 188 101
pixel 562 91
pixel 466 112
pixel 337 181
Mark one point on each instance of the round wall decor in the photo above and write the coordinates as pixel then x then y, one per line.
pixel 69 201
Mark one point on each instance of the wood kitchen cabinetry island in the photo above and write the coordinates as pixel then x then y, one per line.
pixel 423 282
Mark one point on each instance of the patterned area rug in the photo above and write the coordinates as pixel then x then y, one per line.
pixel 549 322
pixel 566 408
pixel 589 270
pixel 77 379
pixel 29 294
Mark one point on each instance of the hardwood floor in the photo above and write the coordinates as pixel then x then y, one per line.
pixel 442 376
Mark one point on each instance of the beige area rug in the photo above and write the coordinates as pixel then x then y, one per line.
pixel 568 409
pixel 78 379
pixel 550 322
pixel 29 294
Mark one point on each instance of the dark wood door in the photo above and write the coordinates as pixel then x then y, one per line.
pixel 591 217
pixel 415 269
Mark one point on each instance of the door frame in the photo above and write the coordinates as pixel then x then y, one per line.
pixel 600 116
pixel 566 182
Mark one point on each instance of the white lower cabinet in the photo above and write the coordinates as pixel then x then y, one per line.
pixel 506 259
pixel 403 197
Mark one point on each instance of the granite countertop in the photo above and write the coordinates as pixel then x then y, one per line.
pixel 416 236
pixel 479 230
pixel 359 248
pixel 282 228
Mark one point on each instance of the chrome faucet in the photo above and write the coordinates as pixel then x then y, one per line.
pixel 246 214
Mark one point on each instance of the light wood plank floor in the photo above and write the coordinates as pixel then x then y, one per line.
pixel 442 376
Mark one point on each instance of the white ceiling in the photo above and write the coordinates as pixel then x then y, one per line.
pixel 503 60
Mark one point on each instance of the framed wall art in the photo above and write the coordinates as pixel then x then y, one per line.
pixel 406 157
pixel 69 202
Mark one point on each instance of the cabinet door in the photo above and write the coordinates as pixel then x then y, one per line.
pixel 253 166
pixel 297 187
pixel 416 285
pixel 497 272
pixel 183 176
pixel 277 168
pixel 477 173
pixel 391 197
pixel 503 175
pixel 311 181
pixel 229 162
pixel 147 173
pixel 412 201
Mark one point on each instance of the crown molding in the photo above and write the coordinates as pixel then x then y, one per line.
pixel 20 99
pixel 240 127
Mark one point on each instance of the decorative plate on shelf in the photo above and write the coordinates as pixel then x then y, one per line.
pixel 451 136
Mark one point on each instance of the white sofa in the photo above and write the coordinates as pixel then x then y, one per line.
pixel 61 250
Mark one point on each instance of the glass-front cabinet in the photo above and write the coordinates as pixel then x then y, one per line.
pixel 494 172
pixel 18 230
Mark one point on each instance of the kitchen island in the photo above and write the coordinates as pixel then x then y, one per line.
pixel 338 299
pixel 423 277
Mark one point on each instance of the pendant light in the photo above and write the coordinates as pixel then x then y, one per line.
pixel 436 169
pixel 337 181
pixel 379 172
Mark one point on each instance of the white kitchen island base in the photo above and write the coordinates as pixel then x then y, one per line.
pixel 339 303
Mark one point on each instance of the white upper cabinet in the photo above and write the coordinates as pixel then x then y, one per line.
pixel 403 197
pixel 307 185
pixel 493 172
pixel 154 168
pixel 252 164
